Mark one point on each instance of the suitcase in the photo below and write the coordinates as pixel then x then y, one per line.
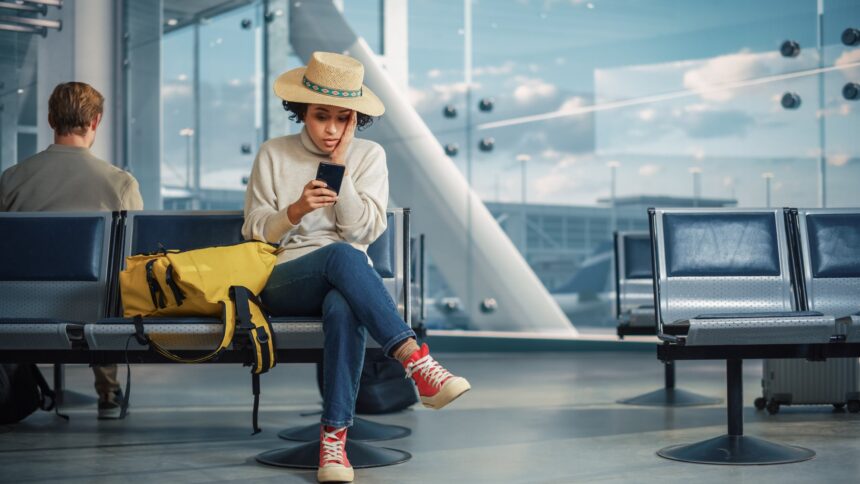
pixel 835 381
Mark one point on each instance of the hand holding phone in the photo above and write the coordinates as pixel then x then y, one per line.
pixel 331 174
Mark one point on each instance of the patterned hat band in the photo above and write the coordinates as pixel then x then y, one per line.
pixel 328 91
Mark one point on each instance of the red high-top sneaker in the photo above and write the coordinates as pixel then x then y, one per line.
pixel 334 466
pixel 436 385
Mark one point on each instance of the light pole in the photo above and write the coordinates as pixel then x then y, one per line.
pixel 768 176
pixel 697 184
pixel 524 159
pixel 187 133
pixel 613 221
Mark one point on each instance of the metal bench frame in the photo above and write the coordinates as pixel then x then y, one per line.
pixel 734 448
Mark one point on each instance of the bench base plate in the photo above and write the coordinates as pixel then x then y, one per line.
pixel 307 455
pixel 736 450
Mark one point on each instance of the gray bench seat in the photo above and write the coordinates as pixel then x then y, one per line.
pixel 40 334
pixel 191 334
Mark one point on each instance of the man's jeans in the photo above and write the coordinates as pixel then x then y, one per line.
pixel 337 282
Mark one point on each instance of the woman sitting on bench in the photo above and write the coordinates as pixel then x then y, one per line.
pixel 324 234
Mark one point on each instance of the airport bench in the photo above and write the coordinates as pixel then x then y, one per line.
pixel 725 289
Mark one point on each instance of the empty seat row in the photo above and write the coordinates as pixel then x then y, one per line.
pixel 736 284
pixel 806 260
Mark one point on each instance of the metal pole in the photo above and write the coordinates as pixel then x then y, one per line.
pixel 767 192
pixel 735 398
pixel 195 186
pixel 822 156
pixel 467 77
pixel 669 374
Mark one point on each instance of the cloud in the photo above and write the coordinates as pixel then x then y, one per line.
pixel 171 90
pixel 838 159
pixel 646 114
pixel 503 69
pixel 650 169
pixel 848 57
pixel 532 89
pixel 437 95
pixel 726 69
pixel 553 184
pixel 572 104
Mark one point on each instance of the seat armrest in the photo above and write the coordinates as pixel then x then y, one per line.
pixel 761 315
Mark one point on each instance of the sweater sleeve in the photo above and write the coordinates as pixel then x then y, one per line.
pixel 363 199
pixel 263 220
pixel 131 199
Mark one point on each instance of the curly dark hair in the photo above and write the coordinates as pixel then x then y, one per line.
pixel 299 110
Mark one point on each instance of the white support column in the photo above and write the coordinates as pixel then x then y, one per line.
pixel 395 41
pixel 94 43
pixel 82 51
pixel 56 64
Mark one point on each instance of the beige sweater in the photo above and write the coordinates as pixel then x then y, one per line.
pixel 284 166
pixel 67 178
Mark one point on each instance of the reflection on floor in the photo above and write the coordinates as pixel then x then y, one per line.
pixel 530 418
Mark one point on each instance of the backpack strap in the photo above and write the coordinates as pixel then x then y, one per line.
pixel 45 393
pixel 250 318
pixel 143 339
pixel 253 323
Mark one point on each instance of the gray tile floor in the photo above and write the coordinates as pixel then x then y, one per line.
pixel 530 418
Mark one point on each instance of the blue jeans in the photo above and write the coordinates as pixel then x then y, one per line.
pixel 337 282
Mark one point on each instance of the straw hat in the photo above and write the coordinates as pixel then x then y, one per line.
pixel 332 79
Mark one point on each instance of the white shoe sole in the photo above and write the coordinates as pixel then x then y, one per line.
pixel 449 392
pixel 335 473
pixel 111 414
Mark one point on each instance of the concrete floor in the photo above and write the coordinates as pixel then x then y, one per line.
pixel 530 418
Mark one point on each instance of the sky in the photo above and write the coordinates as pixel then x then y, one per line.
pixel 641 74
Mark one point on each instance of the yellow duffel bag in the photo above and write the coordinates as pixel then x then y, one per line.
pixel 221 282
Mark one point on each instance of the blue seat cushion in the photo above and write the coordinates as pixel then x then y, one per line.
pixel 719 245
pixel 381 251
pixel 51 249
pixel 185 232
pixel 834 245
pixel 637 257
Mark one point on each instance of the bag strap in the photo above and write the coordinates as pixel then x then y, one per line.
pixel 253 322
pixel 251 318
pixel 155 291
pixel 143 339
pixel 178 295
pixel 45 392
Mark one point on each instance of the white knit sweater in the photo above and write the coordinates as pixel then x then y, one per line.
pixel 284 166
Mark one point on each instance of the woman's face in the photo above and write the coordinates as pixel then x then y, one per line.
pixel 326 125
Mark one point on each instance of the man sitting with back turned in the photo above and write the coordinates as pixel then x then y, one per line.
pixel 68 177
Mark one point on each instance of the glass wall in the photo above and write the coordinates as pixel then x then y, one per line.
pixel 214 66
pixel 566 119
pixel 18 95
pixel 581 114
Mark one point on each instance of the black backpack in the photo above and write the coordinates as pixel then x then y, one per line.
pixel 384 387
pixel 23 390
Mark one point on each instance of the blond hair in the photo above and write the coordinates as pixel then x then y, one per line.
pixel 73 106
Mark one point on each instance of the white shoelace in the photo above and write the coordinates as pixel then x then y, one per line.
pixel 430 369
pixel 332 448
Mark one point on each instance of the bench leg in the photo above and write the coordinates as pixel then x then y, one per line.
pixel 68 398
pixel 307 455
pixel 669 396
pixel 735 448
pixel 362 431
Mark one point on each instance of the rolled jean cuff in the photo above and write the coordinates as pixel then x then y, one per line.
pixel 391 343
pixel 338 424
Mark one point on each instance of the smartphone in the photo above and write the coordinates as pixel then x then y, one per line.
pixel 331 174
